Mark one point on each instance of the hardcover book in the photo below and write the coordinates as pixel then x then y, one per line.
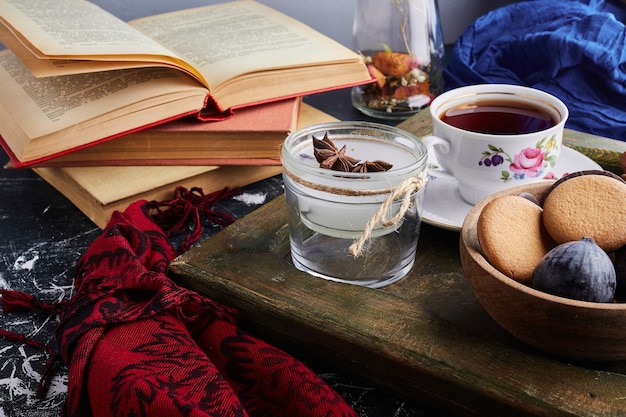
pixel 99 190
pixel 252 136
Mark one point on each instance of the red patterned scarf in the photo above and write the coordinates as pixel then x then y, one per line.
pixel 137 344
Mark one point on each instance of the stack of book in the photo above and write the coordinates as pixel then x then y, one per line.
pixel 110 111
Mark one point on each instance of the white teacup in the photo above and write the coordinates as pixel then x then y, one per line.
pixel 494 136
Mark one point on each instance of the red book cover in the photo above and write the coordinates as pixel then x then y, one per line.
pixel 251 136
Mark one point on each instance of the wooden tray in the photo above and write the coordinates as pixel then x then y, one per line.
pixel 423 337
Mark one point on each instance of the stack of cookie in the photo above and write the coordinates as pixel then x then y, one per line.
pixel 517 233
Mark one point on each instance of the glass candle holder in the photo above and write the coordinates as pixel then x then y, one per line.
pixel 402 42
pixel 355 227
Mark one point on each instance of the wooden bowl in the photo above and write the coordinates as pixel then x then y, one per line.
pixel 561 326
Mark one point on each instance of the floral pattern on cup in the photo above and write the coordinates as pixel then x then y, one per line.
pixel 528 163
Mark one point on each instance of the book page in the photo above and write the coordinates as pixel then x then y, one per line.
pixel 73 27
pixel 40 106
pixel 229 39
pixel 56 37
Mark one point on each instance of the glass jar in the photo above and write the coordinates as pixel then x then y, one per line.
pixel 403 43
pixel 332 212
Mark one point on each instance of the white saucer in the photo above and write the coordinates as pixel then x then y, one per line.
pixel 444 207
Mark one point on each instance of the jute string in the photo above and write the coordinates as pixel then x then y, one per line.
pixel 337 190
pixel 404 190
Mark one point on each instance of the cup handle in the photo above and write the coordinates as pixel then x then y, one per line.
pixel 440 146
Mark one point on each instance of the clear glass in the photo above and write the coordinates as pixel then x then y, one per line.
pixel 403 43
pixel 329 210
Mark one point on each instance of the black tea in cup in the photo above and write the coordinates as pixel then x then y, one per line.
pixel 499 117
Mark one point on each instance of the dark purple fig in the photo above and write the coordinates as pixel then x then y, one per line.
pixel 579 270
pixel 530 197
pixel 620 271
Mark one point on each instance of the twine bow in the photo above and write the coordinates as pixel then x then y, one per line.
pixel 404 190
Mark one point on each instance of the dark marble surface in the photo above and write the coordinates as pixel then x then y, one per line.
pixel 42 237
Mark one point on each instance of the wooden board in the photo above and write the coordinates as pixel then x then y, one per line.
pixel 423 337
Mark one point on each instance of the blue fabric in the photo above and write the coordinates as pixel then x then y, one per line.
pixel 573 49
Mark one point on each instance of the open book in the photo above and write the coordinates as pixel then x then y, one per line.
pixel 76 75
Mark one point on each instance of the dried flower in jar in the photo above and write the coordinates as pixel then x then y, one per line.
pixel 394 63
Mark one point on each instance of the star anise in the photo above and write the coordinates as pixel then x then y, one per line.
pixel 329 157
pixel 372 166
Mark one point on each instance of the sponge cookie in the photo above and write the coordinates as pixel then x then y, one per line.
pixel 512 236
pixel 587 204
